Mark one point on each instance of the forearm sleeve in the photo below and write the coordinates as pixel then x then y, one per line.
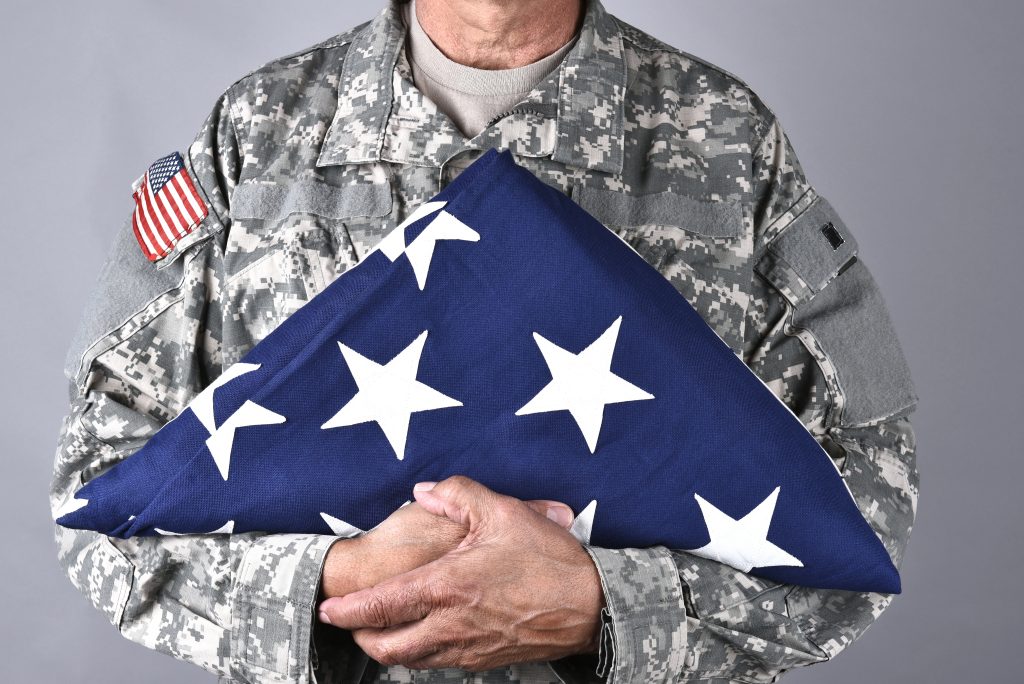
pixel 240 606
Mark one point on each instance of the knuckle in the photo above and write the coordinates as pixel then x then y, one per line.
pixel 417 595
pixel 506 507
pixel 402 651
pixel 455 482
pixel 375 611
pixel 393 651
pixel 384 653
pixel 438 591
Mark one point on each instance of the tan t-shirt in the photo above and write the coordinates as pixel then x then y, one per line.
pixel 470 97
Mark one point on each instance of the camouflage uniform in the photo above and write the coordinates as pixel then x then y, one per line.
pixel 309 160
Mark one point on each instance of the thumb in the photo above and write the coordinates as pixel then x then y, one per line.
pixel 459 499
pixel 556 511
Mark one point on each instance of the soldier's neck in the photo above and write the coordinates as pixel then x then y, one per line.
pixel 498 34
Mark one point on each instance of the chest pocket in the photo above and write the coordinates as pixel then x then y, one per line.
pixel 702 247
pixel 286 244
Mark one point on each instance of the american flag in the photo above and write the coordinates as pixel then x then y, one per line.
pixel 500 332
pixel 167 206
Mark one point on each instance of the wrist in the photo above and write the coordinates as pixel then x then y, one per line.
pixel 592 603
pixel 342 568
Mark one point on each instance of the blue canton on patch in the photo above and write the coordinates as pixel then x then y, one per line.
pixel 163 169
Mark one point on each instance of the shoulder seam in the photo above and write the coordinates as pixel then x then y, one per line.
pixel 753 99
pixel 341 40
pixel 661 46
pixel 769 122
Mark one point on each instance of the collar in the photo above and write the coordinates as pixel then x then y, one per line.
pixel 575 115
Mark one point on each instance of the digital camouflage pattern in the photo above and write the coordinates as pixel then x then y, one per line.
pixel 308 161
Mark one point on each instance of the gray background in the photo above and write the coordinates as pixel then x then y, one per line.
pixel 906 115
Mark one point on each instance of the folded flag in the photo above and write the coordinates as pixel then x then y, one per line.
pixel 501 333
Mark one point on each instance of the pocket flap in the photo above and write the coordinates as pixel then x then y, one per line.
pixel 815 247
pixel 716 219
pixel 273 201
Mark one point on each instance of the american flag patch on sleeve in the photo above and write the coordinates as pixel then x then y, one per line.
pixel 167 206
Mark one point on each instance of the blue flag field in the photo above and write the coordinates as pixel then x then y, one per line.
pixel 501 333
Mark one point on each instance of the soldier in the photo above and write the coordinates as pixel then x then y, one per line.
pixel 298 171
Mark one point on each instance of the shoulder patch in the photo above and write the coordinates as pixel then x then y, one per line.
pixel 167 206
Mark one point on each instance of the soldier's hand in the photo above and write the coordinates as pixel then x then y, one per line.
pixel 408 538
pixel 518 588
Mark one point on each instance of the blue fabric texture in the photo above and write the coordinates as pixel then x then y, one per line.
pixel 692 450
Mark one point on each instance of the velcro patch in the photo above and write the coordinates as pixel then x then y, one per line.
pixel 167 206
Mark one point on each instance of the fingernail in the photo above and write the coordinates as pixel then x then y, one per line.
pixel 560 514
pixel 423 486
pixel 324 617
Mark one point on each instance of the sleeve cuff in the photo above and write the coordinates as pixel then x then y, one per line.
pixel 274 598
pixel 97 569
pixel 644 637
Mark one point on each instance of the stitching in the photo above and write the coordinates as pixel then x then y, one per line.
pixel 120 326
pixel 834 412
pixel 119 558
pixel 206 196
pixel 753 153
pixel 770 228
pixel 230 281
pixel 782 261
pixel 884 418
pixel 729 606
pixel 249 603
pixel 330 129
pixel 234 117
pixel 184 245
pixel 127 581
pixel 390 88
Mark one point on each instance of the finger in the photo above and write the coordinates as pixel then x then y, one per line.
pixel 399 645
pixel 555 511
pixel 441 660
pixel 449 657
pixel 396 601
pixel 461 499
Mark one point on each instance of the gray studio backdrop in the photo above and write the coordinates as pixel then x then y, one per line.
pixel 906 114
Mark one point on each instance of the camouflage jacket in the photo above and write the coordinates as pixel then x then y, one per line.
pixel 309 160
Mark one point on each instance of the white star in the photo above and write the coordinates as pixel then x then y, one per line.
pixel 743 543
pixel 583 383
pixel 249 414
pixel 388 394
pixel 421 250
pixel 583 525
pixel 343 529
pixel 339 527
pixel 226 528
pixel 202 403
pixel 70 506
